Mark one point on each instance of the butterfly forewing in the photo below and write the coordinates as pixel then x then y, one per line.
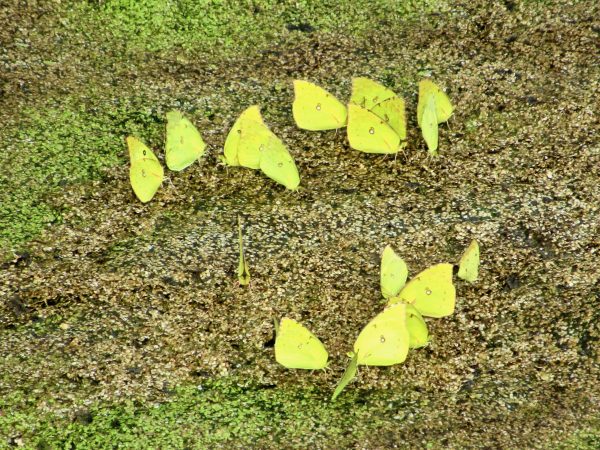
pixel 316 109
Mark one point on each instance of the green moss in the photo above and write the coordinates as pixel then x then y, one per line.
pixel 587 438
pixel 232 27
pixel 214 413
pixel 55 147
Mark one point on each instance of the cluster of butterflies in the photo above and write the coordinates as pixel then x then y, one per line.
pixel 375 119
pixel 387 338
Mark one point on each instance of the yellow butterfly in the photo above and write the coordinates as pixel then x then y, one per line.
pixel 316 109
pixel 376 118
pixel 145 172
pixel 433 108
pixel 184 144
pixel 347 377
pixel 393 273
pixel 468 266
pixel 297 348
pixel 384 341
pixel 251 144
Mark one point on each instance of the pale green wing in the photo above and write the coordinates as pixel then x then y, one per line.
pixel 385 339
pixel 297 348
pixel 369 133
pixel 348 376
pixel 429 126
pixel 393 112
pixel 277 163
pixel 367 93
pixel 431 292
pixel 393 273
pixel 468 266
pixel 316 109
pixel 243 267
pixel 184 144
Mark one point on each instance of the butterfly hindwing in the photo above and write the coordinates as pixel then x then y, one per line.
pixel 384 341
pixel 316 109
pixel 431 292
pixel 429 126
pixel 468 266
pixel 369 133
pixel 277 163
pixel 393 273
pixel 145 171
pixel 184 143
pixel 392 111
pixel 297 348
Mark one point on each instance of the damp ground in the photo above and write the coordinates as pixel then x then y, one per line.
pixel 122 325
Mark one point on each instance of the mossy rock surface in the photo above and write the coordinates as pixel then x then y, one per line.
pixel 122 324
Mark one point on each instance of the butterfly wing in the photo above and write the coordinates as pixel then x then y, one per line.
pixel 393 273
pixel 348 376
pixel 316 109
pixel 367 93
pixel 254 139
pixel 138 150
pixel 146 176
pixel 145 171
pixel 429 126
pixel 385 339
pixel 443 106
pixel 417 328
pixel 369 133
pixel 232 142
pixel 393 112
pixel 184 144
pixel 297 348
pixel 468 266
pixel 277 163
pixel 431 292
